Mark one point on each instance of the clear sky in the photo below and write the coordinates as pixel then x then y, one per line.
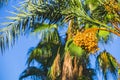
pixel 12 63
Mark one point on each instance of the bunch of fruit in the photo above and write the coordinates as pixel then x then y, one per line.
pixel 112 6
pixel 87 40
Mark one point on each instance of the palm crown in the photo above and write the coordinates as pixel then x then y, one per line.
pixel 88 21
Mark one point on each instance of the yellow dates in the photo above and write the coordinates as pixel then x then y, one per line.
pixel 87 40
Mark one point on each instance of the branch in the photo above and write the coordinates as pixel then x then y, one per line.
pixel 115 26
pixel 110 30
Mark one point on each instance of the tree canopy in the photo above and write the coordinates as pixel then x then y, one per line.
pixel 89 22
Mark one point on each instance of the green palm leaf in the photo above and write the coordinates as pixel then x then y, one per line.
pixel 73 49
pixel 49 33
pixel 41 55
pixel 34 72
pixel 119 72
pixel 47 48
pixel 41 27
pixel 104 34
pixel 107 61
pixel 33 12
pixel 25 20
pixel 91 4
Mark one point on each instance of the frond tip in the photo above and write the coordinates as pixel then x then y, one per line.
pixel 33 72
pixel 107 61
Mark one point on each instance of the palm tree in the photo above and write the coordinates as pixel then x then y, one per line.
pixel 89 22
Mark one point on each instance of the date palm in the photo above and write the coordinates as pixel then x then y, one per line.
pixel 88 21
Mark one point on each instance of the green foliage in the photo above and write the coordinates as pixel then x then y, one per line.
pixel 45 49
pixel 109 17
pixel 73 49
pixel 101 34
pixel 44 17
pixel 34 72
pixel 91 4
pixel 107 61
pixel 119 71
pixel 40 55
pixel 104 35
pixel 28 13
pixel 41 27
pixel 99 13
pixel 49 33
pixel 51 12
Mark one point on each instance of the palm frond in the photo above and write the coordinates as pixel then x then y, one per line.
pixel 12 31
pixel 41 27
pixel 47 47
pixel 34 73
pixel 91 4
pixel 41 55
pixel 87 74
pixel 107 62
pixel 73 49
pixel 33 12
pixel 29 14
pixel 49 33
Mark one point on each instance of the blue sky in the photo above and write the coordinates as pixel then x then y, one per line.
pixel 12 63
